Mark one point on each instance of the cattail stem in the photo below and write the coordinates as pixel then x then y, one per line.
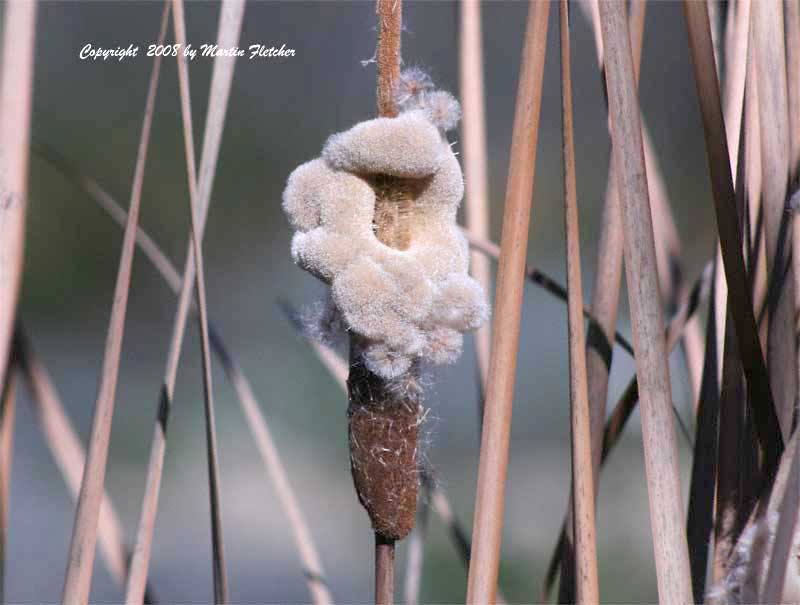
pixel 384 570
pixel 383 418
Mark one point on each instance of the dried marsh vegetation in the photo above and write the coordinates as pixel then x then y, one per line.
pixel 375 219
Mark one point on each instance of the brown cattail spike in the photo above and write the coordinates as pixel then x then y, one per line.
pixel 384 418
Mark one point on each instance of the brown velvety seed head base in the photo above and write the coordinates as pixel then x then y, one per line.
pixel 383 431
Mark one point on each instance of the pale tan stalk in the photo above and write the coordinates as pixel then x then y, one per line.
pixel 16 98
pixel 490 495
pixel 661 462
pixel 583 489
pixel 242 387
pixel 217 543
pixel 792 21
pixel 782 555
pixel 476 180
pixel 8 396
pixel 730 233
pixel 231 14
pixel 770 56
pixel 605 298
pixel 68 453
pixel 416 556
pixel 77 582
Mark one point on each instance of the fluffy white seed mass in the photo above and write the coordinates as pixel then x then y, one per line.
pixel 408 304
pixel 747 574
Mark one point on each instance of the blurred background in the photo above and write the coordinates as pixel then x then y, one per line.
pixel 281 111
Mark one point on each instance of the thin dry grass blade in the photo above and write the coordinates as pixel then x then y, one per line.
pixel 7 415
pixel 231 15
pixel 605 303
pixel 416 555
pixel 67 451
pixel 476 180
pixel 584 530
pixel 549 284
pixel 759 392
pixel 782 554
pixel 770 57
pixel 490 494
pixel 623 409
pixel 217 543
pixel 16 93
pixel 77 582
pixel 700 516
pixel 250 405
pixel 792 22
pixel 660 449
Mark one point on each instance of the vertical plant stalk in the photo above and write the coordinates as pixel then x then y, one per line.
pixel 251 408
pixel 490 494
pixel 605 304
pixel 583 488
pixel 230 22
pixel 217 543
pixel 384 570
pixel 383 420
pixel 67 451
pixel 476 179
pixel 770 59
pixel 16 97
pixel 700 516
pixel 782 555
pixel 77 582
pixel 416 554
pixel 7 414
pixel 730 234
pixel 792 22
pixel 661 461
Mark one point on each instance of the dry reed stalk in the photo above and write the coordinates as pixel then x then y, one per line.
pixel 490 494
pixel 77 582
pixel 741 306
pixel 661 463
pixel 737 459
pixel 244 391
pixel 416 556
pixel 217 544
pixel 549 284
pixel 7 414
pixel 792 23
pixel 736 51
pixel 782 554
pixel 605 300
pixel 67 450
pixel 231 14
pixel 584 530
pixel 770 57
pixel 623 409
pixel 700 514
pixel 476 179
pixel 16 94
